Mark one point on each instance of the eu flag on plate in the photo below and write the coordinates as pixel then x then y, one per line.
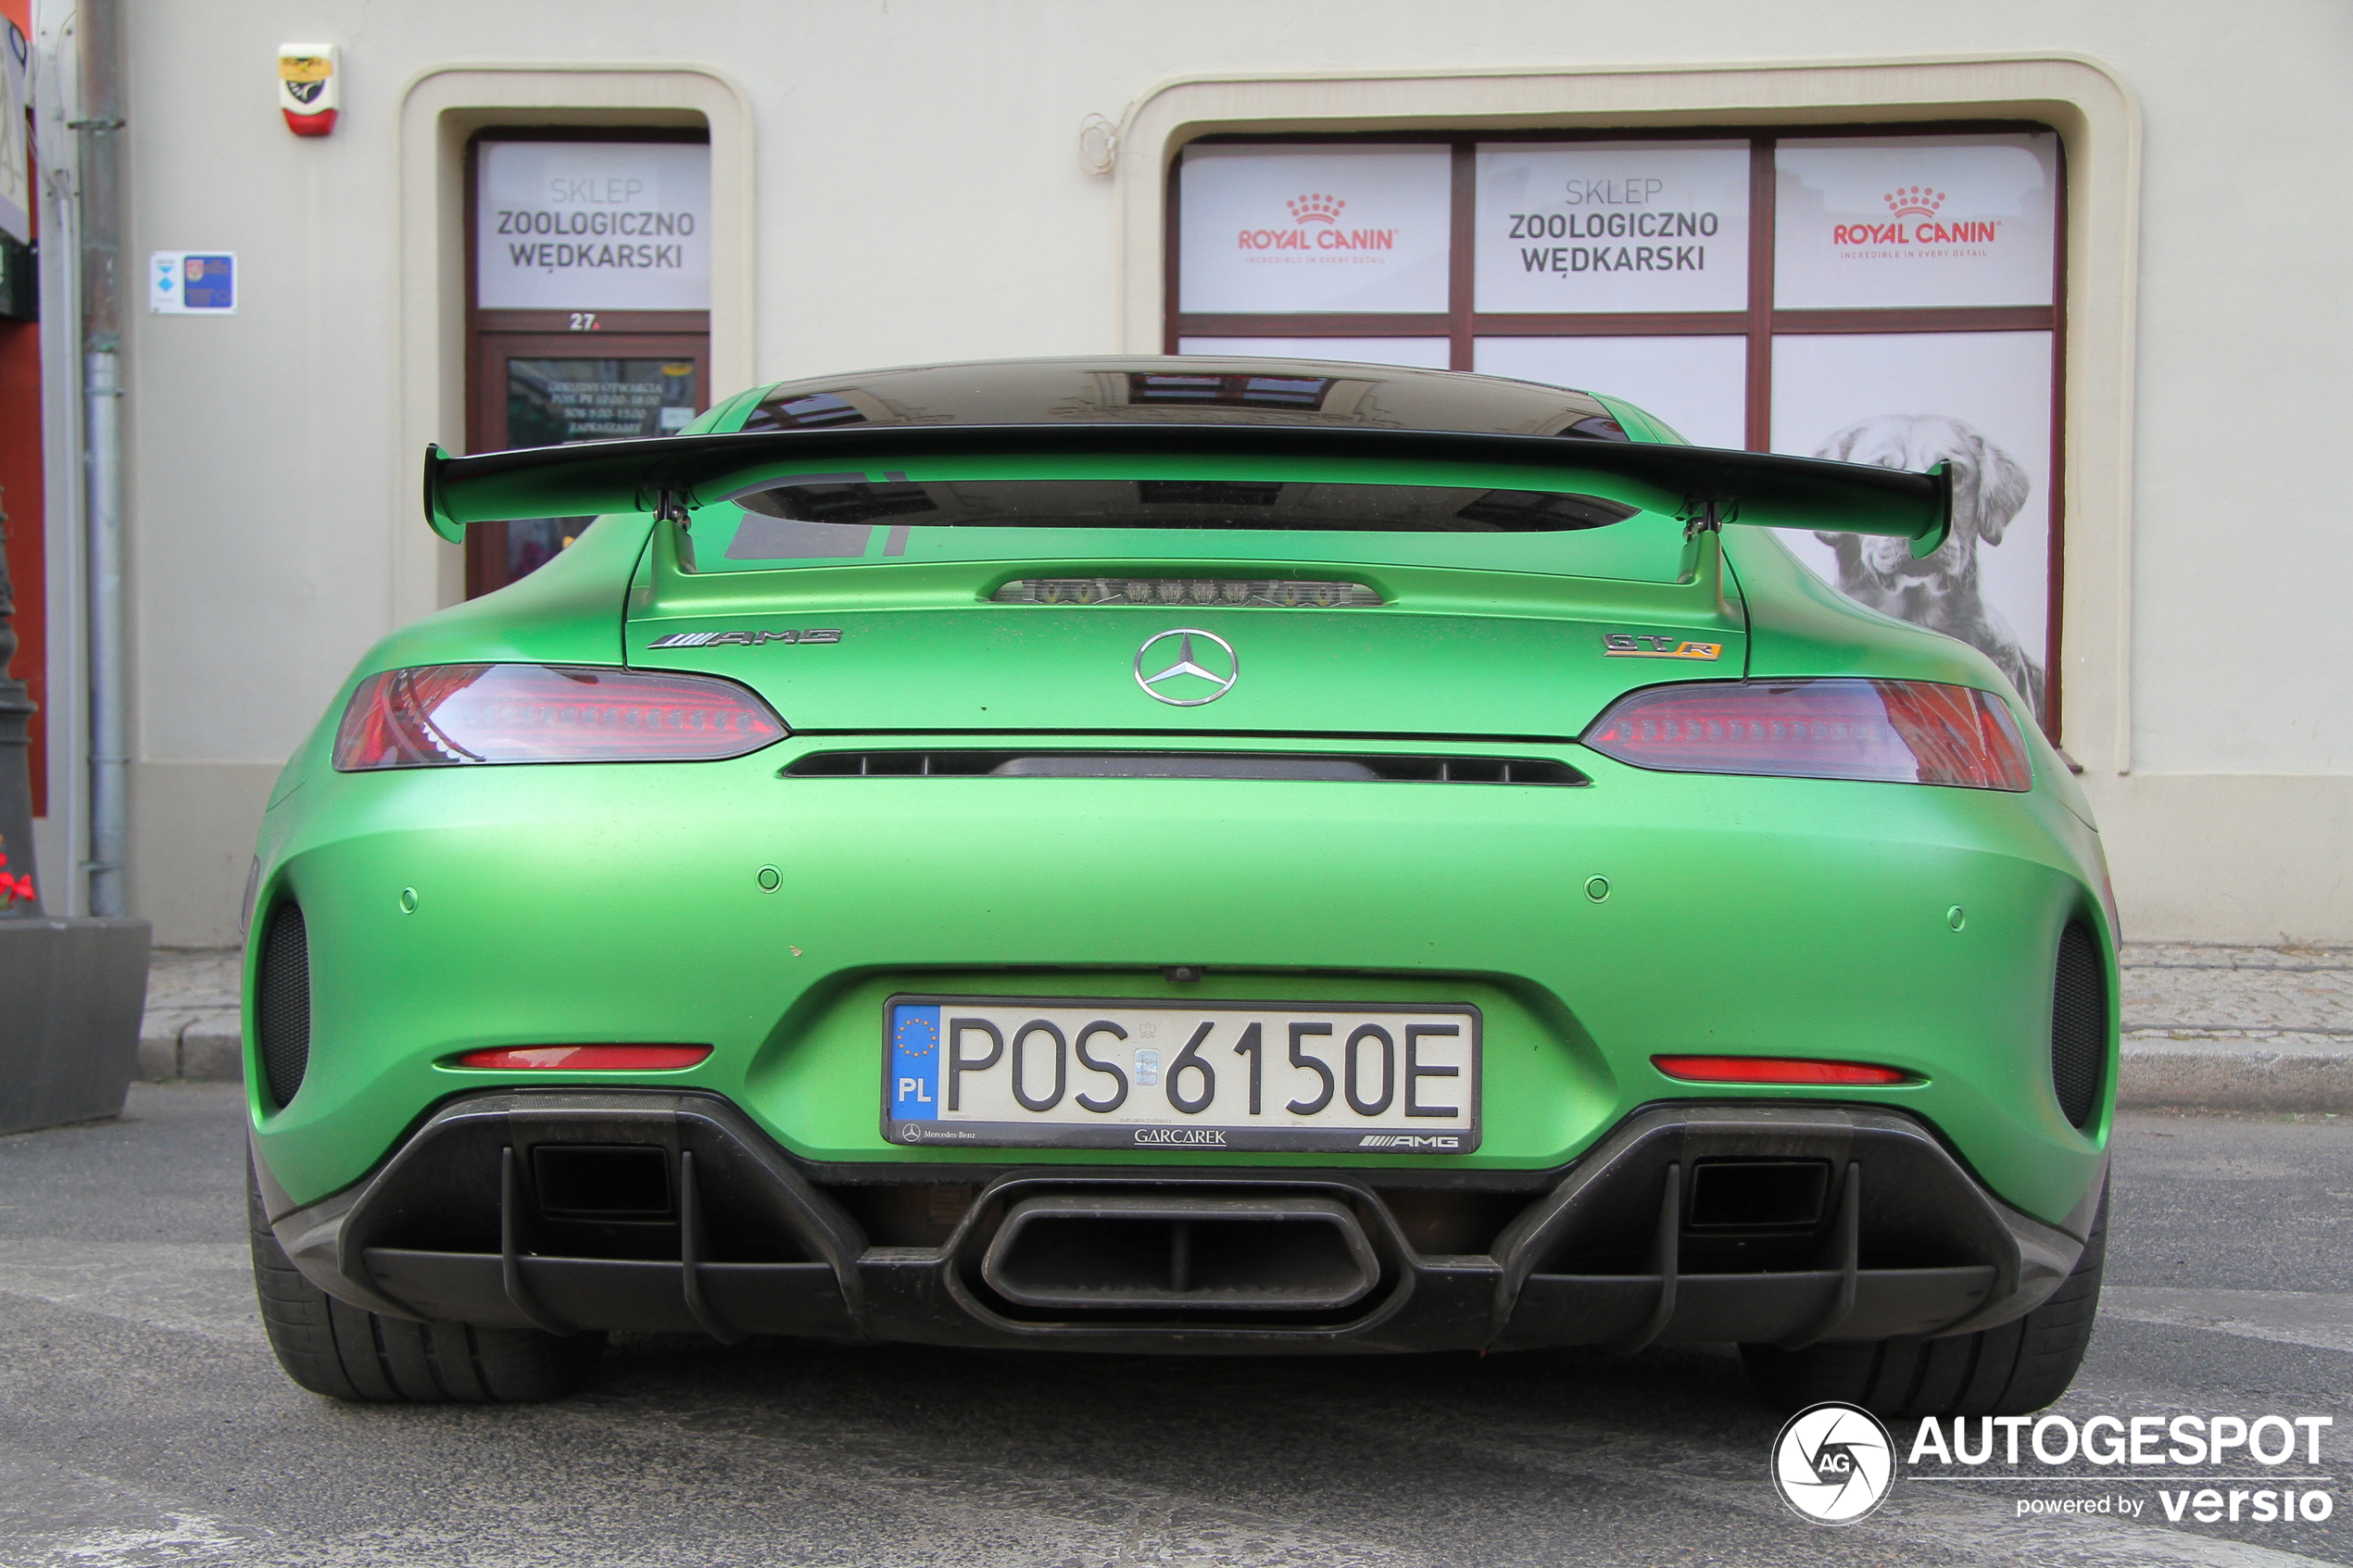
pixel 915 1063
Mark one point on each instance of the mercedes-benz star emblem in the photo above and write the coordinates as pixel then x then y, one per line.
pixel 1187 682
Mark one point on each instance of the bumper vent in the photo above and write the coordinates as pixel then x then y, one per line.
pixel 2079 1024
pixel 1352 767
pixel 282 1003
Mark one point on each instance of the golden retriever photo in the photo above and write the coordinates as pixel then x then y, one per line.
pixel 1939 591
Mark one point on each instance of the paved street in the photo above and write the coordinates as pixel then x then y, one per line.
pixel 141 1421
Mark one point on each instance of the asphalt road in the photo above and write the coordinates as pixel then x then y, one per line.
pixel 141 1421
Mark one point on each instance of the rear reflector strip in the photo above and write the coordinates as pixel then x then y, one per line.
pixel 586 1059
pixel 1239 593
pixel 1774 1070
pixel 1331 767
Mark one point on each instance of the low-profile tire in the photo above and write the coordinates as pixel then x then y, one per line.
pixel 2013 1369
pixel 345 1352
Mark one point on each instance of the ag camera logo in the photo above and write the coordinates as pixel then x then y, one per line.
pixel 1833 1463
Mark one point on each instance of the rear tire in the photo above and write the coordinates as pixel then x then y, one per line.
pixel 2014 1369
pixel 345 1352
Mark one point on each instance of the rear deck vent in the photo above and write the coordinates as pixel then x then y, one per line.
pixel 1330 767
pixel 282 1003
pixel 2079 1024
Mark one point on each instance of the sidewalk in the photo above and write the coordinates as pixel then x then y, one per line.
pixel 2217 1028
pixel 2238 1028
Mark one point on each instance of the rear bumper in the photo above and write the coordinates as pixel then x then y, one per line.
pixel 574 1210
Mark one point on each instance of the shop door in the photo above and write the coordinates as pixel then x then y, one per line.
pixel 548 389
pixel 588 313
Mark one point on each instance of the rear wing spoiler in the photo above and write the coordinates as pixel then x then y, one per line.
pixel 671 476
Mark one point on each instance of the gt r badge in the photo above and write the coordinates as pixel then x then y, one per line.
pixel 1225 667
pixel 1635 644
pixel 741 639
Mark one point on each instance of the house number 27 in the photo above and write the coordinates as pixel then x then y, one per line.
pixel 584 322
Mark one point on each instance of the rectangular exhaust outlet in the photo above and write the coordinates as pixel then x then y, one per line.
pixel 628 1181
pixel 1758 1195
pixel 1246 1254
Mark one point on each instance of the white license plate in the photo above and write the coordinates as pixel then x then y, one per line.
pixel 1061 1073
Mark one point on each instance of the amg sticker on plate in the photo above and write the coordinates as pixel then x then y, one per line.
pixel 741 639
pixel 1636 645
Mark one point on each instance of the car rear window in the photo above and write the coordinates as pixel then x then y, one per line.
pixel 815 519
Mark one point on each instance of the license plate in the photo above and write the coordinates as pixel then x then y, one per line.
pixel 1059 1073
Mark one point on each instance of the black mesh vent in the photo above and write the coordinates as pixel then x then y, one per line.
pixel 282 1003
pixel 2079 1024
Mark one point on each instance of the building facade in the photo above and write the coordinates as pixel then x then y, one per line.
pixel 2055 244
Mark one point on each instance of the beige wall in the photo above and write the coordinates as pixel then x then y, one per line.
pixel 908 188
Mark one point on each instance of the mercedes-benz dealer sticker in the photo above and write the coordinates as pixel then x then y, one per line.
pixel 1833 1463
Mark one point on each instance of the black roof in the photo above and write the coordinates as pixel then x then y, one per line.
pixel 1193 389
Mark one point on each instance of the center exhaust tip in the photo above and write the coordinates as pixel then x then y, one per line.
pixel 1116 1249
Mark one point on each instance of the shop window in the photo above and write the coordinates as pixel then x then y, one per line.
pixel 589 272
pixel 1889 299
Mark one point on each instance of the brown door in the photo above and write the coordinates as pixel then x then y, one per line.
pixel 549 388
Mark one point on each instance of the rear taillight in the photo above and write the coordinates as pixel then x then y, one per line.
pixel 450 715
pixel 585 1059
pixel 1775 1070
pixel 1893 731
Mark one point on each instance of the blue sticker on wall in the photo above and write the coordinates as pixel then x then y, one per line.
pixel 208 282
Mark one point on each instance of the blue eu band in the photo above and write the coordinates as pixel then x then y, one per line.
pixel 914 1064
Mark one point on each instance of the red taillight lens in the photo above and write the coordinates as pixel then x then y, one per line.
pixel 1774 1070
pixel 1894 732
pixel 587 1058
pixel 450 715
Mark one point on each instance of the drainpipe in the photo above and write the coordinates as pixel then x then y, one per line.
pixel 101 128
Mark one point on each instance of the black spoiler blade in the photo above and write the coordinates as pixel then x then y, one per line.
pixel 1706 485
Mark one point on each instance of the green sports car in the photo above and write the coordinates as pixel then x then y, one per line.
pixel 1180 855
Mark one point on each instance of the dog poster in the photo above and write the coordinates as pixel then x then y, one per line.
pixel 1980 401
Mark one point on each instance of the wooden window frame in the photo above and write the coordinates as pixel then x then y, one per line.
pixel 1461 324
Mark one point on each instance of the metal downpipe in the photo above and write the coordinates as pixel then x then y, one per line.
pixel 101 126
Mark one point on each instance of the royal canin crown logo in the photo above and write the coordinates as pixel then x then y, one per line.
pixel 1912 220
pixel 1314 226
pixel 1914 201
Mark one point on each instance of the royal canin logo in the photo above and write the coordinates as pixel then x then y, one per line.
pixel 1322 209
pixel 1914 201
pixel 1913 210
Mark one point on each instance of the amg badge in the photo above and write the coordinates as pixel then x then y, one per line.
pixel 743 639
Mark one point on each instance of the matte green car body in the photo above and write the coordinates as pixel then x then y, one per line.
pixel 462 907
pixel 428 1228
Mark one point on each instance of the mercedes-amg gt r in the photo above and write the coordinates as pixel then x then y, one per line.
pixel 1180 855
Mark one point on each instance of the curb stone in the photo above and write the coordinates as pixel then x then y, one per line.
pixel 2236 1071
